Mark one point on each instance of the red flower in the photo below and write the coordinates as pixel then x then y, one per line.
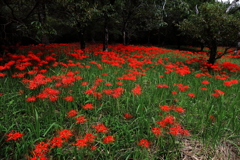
pixel 192 95
pixel 81 143
pixel 157 131
pixel 229 83
pixel 144 143
pixel 101 128
pixel 119 83
pixel 66 134
pixel 2 75
pixel 162 86
pixel 108 84
pixel 31 99
pixel 169 119
pixel 57 142
pixel 212 118
pixel 174 92
pixel 137 90
pixel 108 139
pixel 178 130
pixel 89 137
pixel 84 83
pixel 81 119
pixel 93 147
pixel 14 135
pixel 203 89
pixel 165 108
pixel 40 151
pixel 69 98
pixel 104 74
pixel 179 109
pixel 128 116
pixel 88 106
pixel 72 113
pixel 218 93
pixel 205 82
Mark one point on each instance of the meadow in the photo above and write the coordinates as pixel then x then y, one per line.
pixel 133 102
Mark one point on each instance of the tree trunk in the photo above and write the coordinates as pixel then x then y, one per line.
pixel 213 53
pixel 124 34
pixel 42 16
pixel 81 31
pixel 105 41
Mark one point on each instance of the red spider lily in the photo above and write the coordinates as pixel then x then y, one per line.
pixel 162 86
pixel 57 142
pixel 84 83
pixel 218 93
pixel 192 95
pixel 205 82
pixel 165 108
pixel 169 119
pixel 104 74
pixel 229 83
pixel 144 143
pixel 117 92
pixel 40 151
pixel 81 119
pixel 88 106
pixel 108 139
pixel 128 116
pixel 2 75
pixel 137 90
pixel 31 99
pixel 72 113
pixel 101 128
pixel 179 109
pixel 178 130
pixel 97 95
pixel 174 92
pixel 14 135
pixel 108 84
pixel 69 98
pixel 212 118
pixel 156 131
pixel 93 147
pixel 81 143
pixel 65 134
pixel 182 87
pixel 119 83
pixel 89 137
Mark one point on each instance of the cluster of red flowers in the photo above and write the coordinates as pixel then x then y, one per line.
pixel 174 127
pixel 14 135
pixel 137 90
pixel 172 107
pixel 218 93
pixel 230 83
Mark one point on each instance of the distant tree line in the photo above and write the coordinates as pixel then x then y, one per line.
pixel 157 22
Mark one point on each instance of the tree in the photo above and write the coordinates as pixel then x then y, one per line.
pixel 213 26
pixel 79 14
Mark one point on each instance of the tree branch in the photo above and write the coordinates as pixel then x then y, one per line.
pixel 30 12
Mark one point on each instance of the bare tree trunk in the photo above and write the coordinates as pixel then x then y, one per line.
pixel 213 53
pixel 81 31
pixel 124 34
pixel 42 16
pixel 105 41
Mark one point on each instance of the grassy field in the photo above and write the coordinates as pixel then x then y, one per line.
pixel 133 102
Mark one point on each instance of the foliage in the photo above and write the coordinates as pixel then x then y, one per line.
pixel 213 27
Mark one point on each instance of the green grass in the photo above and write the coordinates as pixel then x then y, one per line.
pixel 211 120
